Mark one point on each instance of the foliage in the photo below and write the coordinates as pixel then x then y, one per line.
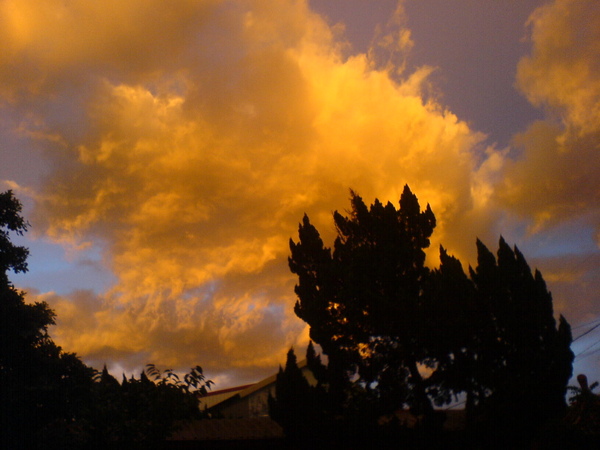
pixel 42 386
pixel 290 408
pixel 583 391
pixel 300 409
pixel 582 420
pixel 382 316
pixel 526 359
pixel 193 382
pixel 362 299
pixel 51 398
pixel 143 409
pixel 12 257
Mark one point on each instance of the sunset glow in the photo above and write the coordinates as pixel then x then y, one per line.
pixel 177 146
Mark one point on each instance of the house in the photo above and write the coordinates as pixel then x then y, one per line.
pixel 213 398
pixel 240 417
pixel 249 401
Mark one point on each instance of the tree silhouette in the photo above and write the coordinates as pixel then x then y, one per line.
pixel 291 405
pixel 363 300
pixel 583 416
pixel 524 357
pixel 456 323
pixel 301 409
pixel 382 316
pixel 51 398
pixel 43 389
pixel 144 409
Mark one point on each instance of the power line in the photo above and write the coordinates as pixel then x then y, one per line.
pixel 589 354
pixel 588 331
pixel 587 348
pixel 586 324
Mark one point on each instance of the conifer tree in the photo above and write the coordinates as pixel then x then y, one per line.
pixel 525 357
pixel 380 314
pixel 363 299
pixel 291 406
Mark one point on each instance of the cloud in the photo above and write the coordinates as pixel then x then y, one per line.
pixel 549 179
pixel 188 144
pixel 575 280
pixel 555 177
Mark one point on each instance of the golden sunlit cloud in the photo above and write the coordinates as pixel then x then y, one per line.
pixel 556 178
pixel 190 142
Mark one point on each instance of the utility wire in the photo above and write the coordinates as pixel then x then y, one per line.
pixel 588 331
pixel 589 354
pixel 587 348
pixel 586 324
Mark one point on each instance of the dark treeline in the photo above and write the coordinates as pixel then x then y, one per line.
pixel 397 336
pixel 401 336
pixel 49 398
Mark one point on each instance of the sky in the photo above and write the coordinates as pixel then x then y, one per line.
pixel 166 152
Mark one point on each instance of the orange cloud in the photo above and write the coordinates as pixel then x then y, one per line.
pixel 556 179
pixel 190 142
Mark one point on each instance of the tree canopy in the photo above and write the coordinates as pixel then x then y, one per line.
pixel 40 383
pixel 49 397
pixel 412 336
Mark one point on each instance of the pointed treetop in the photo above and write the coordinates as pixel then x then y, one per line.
pixel 144 378
pixel 107 379
pixel 409 204
pixel 484 256
pixel 291 359
pixel 506 256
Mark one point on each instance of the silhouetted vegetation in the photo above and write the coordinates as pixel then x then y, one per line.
pixel 143 409
pixel 295 407
pixel 398 334
pixel 398 337
pixel 50 398
pixel 583 416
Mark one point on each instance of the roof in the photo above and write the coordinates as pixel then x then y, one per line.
pixel 225 391
pixel 240 391
pixel 215 397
